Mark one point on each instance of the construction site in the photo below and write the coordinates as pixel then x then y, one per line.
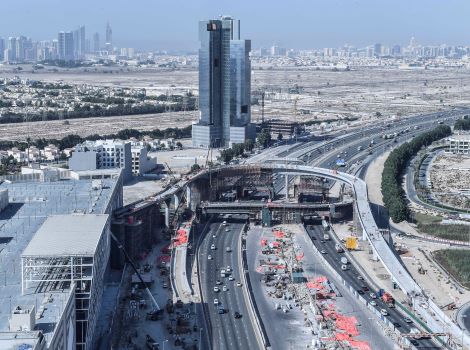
pixel 298 292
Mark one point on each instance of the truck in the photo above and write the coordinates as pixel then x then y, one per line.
pixel 388 299
pixel 326 230
pixel 338 248
pixel 344 260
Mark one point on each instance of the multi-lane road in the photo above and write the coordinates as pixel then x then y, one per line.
pixel 228 332
pixel 357 281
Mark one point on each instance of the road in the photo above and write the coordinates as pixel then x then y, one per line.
pixel 351 275
pixel 227 332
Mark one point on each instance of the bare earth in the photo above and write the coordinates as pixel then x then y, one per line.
pixel 359 93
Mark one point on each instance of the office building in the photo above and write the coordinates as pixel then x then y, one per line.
pixel 2 48
pixel 11 53
pixel 224 85
pixel 65 46
pixel 109 38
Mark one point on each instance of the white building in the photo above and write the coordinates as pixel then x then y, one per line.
pixel 102 154
pixel 459 144
pixel 141 162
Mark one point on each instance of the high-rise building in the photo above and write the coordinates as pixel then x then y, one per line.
pixel 96 42
pixel 378 49
pixel 79 42
pixel 224 85
pixel 65 46
pixel 2 48
pixel 109 37
pixel 11 57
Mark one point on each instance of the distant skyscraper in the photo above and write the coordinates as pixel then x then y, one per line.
pixel 2 48
pixel 377 49
pixel 65 46
pixel 224 85
pixel 79 42
pixel 11 57
pixel 109 37
pixel 96 42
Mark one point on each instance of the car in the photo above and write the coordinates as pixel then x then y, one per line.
pixel 408 320
pixel 227 230
pixel 360 278
pixel 228 269
pixel 239 284
pixel 214 235
pixel 384 312
pixel 237 315
pixel 221 310
pixel 373 303
pixel 323 251
pixel 373 295
pixel 224 288
pixel 216 301
pixel 231 278
pixel 322 241
pixel 360 292
pixel 365 288
pixel 396 325
pixel 224 223
pixel 165 285
pixel 216 289
pixel 209 257
pixel 414 342
pixel 212 246
pixel 228 249
pixel 218 282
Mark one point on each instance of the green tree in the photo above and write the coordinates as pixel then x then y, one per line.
pixel 195 168
pixel 249 145
pixel 226 155
pixel 179 145
pixel 264 138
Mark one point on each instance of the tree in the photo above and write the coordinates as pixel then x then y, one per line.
pixel 264 138
pixel 195 168
pixel 179 145
pixel 249 145
pixel 238 149
pixel 226 155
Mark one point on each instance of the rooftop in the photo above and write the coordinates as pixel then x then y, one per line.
pixel 67 235
pixel 30 205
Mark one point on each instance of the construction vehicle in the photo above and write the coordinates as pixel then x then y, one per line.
pixel 351 243
pixel 151 343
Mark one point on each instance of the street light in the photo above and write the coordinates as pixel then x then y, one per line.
pixel 164 343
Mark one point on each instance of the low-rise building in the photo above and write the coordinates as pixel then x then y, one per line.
pixel 459 144
pixel 141 162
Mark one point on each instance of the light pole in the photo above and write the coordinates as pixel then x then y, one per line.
pixel 163 343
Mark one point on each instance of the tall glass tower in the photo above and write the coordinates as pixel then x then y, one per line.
pixel 224 85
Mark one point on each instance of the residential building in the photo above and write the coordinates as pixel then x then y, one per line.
pixel 79 42
pixel 459 144
pixel 141 162
pixel 2 48
pixel 65 46
pixel 224 85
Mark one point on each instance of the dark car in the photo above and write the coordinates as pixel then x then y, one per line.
pixel 360 291
pixel 414 342
pixel 237 315
pixel 365 288
pixel 396 324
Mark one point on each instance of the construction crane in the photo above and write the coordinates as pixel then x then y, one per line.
pixel 121 247
pixel 171 173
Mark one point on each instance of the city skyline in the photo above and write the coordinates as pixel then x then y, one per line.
pixel 302 25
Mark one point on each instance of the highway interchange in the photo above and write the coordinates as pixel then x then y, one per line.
pixel 358 151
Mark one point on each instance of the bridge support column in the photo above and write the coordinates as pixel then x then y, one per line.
pixel 188 197
pixel 167 216
pixel 287 186
pixel 176 200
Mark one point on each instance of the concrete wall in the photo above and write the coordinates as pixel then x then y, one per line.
pixel 3 199
pixel 83 161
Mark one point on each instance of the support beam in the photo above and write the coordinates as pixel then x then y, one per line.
pixel 176 200
pixel 167 216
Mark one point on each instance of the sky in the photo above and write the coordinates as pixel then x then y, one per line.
pixel 298 24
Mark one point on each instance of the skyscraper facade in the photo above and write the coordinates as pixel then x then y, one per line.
pixel 109 37
pixel 79 42
pixel 65 46
pixel 224 85
pixel 96 42
pixel 2 48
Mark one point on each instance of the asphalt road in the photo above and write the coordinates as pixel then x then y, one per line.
pixel 227 332
pixel 351 275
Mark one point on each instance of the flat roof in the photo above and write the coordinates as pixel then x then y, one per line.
pixel 67 235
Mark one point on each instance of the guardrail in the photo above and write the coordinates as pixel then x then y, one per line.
pixel 255 318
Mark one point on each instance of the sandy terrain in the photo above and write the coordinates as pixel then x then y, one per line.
pixel 450 176
pixel 321 95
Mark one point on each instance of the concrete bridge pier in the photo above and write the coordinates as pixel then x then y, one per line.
pixel 167 212
pixel 176 199
pixel 287 186
pixel 188 196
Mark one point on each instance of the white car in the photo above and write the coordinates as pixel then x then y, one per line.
pixel 224 288
pixel 384 312
pixel 216 301
pixel 239 284
pixel 228 269
pixel 224 223
pixel 216 289
pixel 373 303
pixel 373 295
pixel 212 246
pixel 227 230
pixel 228 249
pixel 209 257
pixel 218 282
pixel 231 278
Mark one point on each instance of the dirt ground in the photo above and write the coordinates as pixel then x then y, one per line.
pixel 362 93
pixel 450 176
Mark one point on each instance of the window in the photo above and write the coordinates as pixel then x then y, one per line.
pixel 216 62
pixel 244 109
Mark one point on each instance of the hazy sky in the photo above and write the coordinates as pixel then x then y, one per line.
pixel 172 24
